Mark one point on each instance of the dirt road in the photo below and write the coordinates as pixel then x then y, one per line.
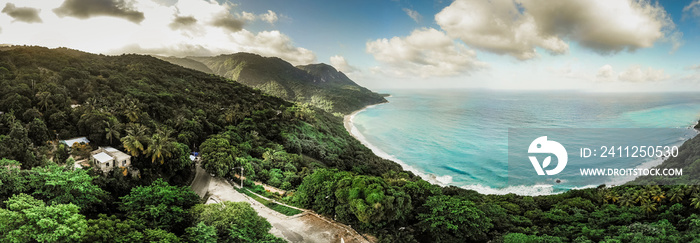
pixel 304 227
pixel 200 184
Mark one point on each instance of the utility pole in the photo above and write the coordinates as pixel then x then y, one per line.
pixel 240 177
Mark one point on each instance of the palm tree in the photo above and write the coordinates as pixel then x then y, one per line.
pixel 161 146
pixel 130 108
pixel 112 129
pixel 135 139
pixel 695 201
pixel 640 196
pixel 648 207
pixel 44 100
pixel 606 195
pixel 611 195
pixel 691 190
pixel 676 195
pixel 656 193
pixel 626 201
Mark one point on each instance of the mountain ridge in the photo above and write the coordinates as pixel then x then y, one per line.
pixel 320 84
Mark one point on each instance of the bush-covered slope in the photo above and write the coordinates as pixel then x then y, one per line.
pixel 157 112
pixel 143 97
pixel 688 160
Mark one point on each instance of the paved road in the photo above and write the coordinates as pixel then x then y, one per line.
pixel 200 184
pixel 304 227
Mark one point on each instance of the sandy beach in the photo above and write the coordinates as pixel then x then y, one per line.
pixel 347 121
pixel 354 132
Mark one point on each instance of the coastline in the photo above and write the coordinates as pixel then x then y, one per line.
pixel 355 133
pixel 446 180
pixel 347 121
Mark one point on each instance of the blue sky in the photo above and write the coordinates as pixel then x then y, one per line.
pixel 343 27
pixel 596 45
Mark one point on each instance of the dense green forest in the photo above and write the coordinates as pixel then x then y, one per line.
pixel 320 85
pixel 159 112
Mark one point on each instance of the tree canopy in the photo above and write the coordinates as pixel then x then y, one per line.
pixel 234 222
pixel 160 205
pixel 27 219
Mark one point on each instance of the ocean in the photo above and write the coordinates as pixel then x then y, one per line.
pixel 460 137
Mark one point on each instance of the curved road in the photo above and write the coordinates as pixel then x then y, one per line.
pixel 303 227
pixel 200 184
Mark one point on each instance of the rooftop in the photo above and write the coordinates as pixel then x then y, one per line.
pixel 71 141
pixel 118 155
pixel 102 157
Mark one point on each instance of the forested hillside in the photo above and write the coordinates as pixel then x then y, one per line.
pixel 188 63
pixel 159 112
pixel 688 159
pixel 320 85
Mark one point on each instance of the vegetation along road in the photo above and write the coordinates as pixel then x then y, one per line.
pixel 304 227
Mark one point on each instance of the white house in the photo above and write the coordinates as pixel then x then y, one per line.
pixel 72 141
pixel 107 158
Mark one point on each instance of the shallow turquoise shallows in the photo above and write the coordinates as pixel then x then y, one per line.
pixel 461 137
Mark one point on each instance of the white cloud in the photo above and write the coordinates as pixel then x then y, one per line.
pixel 172 28
pixel 693 9
pixel 605 73
pixel 517 27
pixel 248 16
pixel 339 62
pixel 270 17
pixel 425 52
pixel 636 74
pixel 413 14
pixel 266 43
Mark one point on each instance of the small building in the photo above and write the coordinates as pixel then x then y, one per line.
pixel 72 141
pixel 108 158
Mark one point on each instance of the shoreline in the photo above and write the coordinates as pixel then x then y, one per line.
pixel 446 180
pixel 355 133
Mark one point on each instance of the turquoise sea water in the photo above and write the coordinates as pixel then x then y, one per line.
pixel 461 137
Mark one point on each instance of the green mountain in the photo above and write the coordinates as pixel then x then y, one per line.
pixel 317 84
pixel 324 74
pixel 186 62
pixel 71 93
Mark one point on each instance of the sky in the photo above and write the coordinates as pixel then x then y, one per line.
pixel 586 45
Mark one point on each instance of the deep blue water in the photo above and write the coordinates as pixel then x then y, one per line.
pixel 461 137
